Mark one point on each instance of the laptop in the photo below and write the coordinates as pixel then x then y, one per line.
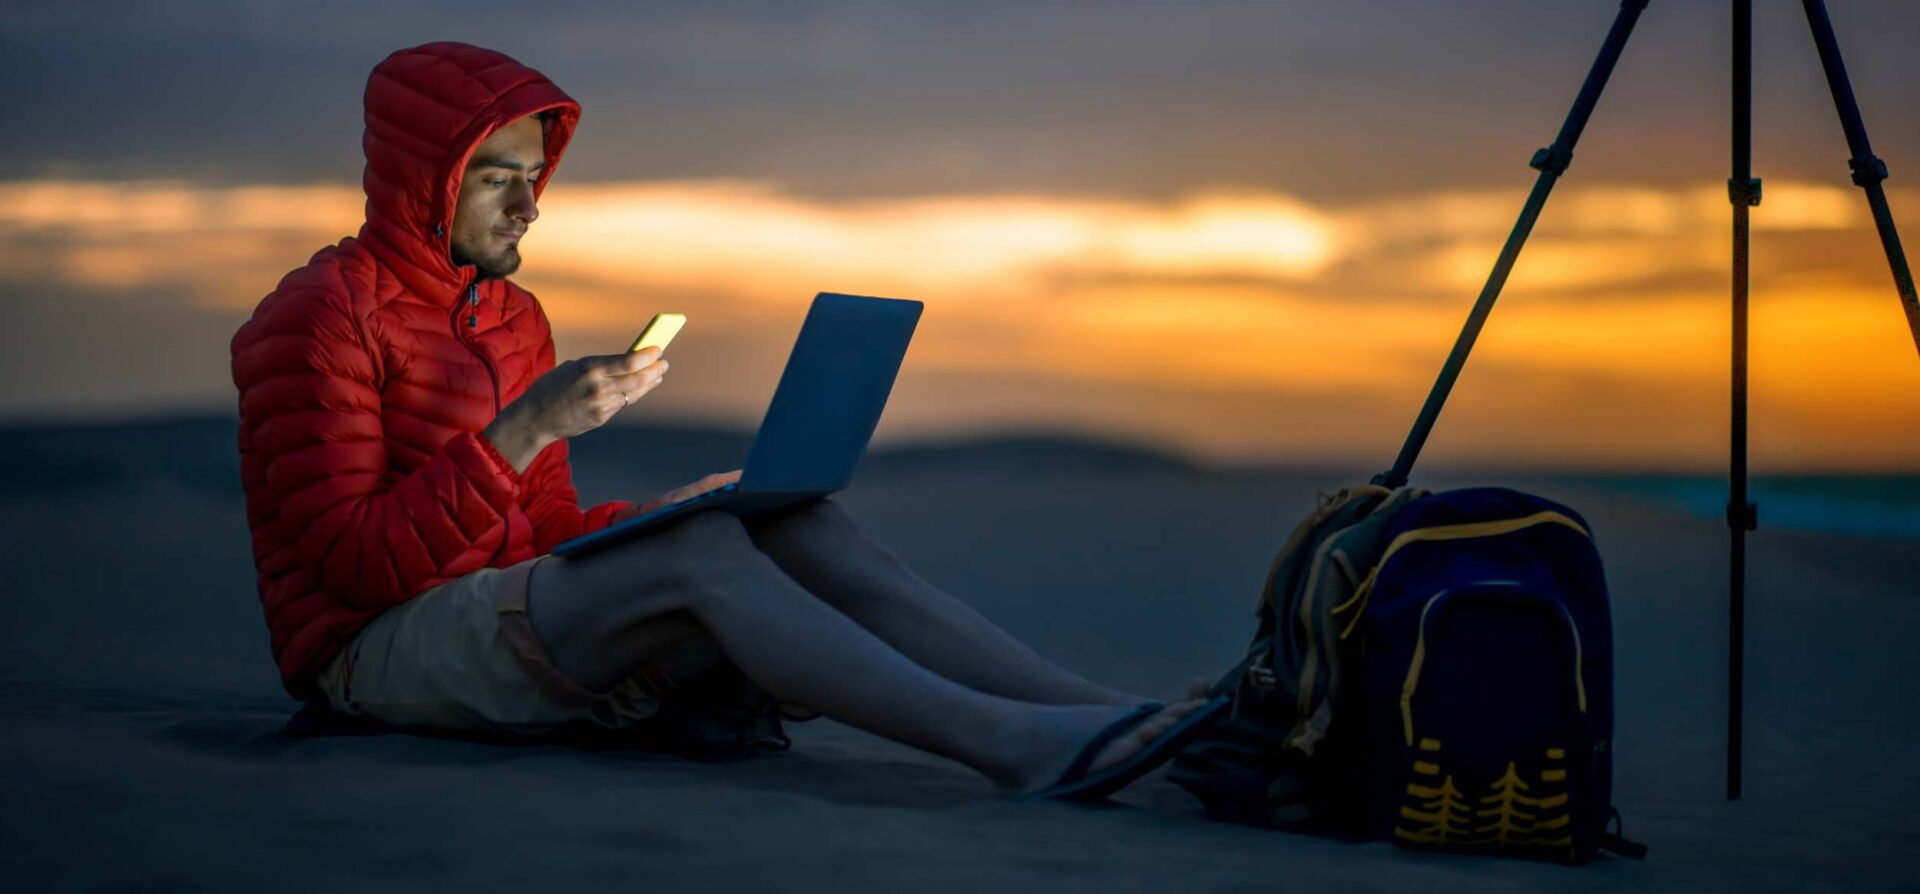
pixel 823 414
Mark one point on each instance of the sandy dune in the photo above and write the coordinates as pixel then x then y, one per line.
pixel 140 718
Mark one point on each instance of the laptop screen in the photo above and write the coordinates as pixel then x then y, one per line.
pixel 831 395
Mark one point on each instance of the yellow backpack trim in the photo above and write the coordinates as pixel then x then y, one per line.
pixel 1446 532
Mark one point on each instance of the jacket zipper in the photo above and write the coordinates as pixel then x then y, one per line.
pixel 473 322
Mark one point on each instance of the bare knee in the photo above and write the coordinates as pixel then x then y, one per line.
pixel 704 557
pixel 824 511
pixel 665 572
pixel 709 530
pixel 702 541
pixel 672 554
pixel 599 614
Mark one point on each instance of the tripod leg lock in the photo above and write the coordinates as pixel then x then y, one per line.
pixel 1552 160
pixel 1389 479
pixel 1744 518
pixel 1747 193
pixel 1867 170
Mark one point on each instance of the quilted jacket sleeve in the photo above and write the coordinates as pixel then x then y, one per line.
pixel 308 386
pixel 554 506
pixel 548 495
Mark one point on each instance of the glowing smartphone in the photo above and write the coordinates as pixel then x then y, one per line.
pixel 660 330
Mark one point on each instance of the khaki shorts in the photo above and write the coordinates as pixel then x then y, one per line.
pixel 462 656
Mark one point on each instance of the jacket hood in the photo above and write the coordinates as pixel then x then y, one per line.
pixel 427 109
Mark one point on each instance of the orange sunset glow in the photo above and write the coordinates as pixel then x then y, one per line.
pixel 1234 325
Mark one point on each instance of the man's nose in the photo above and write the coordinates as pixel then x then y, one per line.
pixel 524 207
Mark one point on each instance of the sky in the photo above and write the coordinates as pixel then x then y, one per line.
pixel 1248 232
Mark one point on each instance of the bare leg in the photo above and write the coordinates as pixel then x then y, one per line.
pixel 597 615
pixel 823 549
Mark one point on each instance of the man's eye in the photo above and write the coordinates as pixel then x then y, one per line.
pixel 496 184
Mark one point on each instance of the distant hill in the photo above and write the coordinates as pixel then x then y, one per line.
pixel 1027 452
pixel 70 459
pixel 57 458
pixel 201 452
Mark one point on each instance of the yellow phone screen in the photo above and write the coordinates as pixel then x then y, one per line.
pixel 659 332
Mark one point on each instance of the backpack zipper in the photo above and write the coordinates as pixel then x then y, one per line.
pixel 1420 653
pixel 473 322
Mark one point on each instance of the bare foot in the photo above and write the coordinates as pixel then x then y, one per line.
pixel 1061 732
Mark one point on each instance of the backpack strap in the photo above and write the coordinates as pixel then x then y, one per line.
pixel 1234 679
pixel 1617 842
pixel 1328 505
pixel 1363 537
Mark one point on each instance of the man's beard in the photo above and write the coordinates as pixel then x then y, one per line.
pixel 499 266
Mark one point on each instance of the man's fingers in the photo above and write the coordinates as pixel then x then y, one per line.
pixel 715 480
pixel 688 492
pixel 610 378
pixel 626 373
pixel 621 364
pixel 654 371
pixel 616 394
pixel 641 359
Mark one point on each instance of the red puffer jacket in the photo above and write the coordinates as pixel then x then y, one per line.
pixel 367 375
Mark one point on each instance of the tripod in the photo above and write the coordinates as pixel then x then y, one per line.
pixel 1743 190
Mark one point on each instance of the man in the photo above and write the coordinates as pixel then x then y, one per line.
pixel 403 445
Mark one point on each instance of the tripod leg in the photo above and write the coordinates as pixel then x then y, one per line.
pixel 1744 192
pixel 1868 170
pixel 1551 162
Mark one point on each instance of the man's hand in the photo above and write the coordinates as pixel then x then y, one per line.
pixel 574 397
pixel 711 482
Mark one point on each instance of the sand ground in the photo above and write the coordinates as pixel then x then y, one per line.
pixel 141 744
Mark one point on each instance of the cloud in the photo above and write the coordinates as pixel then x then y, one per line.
pixel 719 235
pixel 728 236
pixel 1216 294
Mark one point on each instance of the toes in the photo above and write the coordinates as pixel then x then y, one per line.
pixel 1183 708
pixel 1153 729
pixel 1141 735
pixel 1145 733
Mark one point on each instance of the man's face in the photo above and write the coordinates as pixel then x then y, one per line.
pixel 496 198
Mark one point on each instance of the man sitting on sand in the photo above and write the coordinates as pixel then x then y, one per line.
pixel 403 441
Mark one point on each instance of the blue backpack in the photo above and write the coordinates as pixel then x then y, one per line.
pixel 1431 669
